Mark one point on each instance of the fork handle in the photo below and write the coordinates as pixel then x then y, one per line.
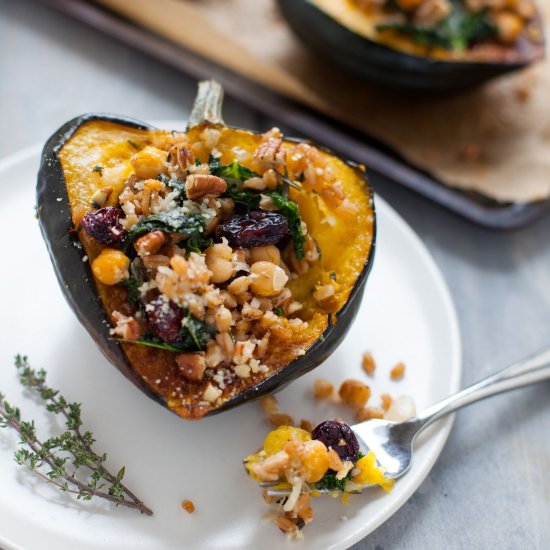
pixel 534 368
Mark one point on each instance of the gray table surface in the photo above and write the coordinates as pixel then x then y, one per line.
pixel 491 485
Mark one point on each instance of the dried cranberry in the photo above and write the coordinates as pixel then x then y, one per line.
pixel 164 318
pixel 254 229
pixel 104 225
pixel 340 437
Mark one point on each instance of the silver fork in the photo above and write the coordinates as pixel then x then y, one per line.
pixel 392 442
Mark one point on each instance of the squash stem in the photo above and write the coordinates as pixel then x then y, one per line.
pixel 208 104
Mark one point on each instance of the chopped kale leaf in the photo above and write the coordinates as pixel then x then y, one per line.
pixel 244 197
pixel 289 210
pixel 330 483
pixel 233 171
pixel 175 185
pixel 98 169
pixel 234 174
pixel 193 337
pixel 173 221
pixel 132 286
pixel 457 32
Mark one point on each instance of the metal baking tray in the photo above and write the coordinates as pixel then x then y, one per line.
pixel 346 141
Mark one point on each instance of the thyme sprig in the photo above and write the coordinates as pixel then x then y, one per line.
pixel 68 460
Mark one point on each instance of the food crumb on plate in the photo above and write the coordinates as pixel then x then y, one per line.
pixel 398 371
pixel 188 506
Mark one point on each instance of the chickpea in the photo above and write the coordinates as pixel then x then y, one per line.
pixel 322 389
pixel 223 319
pixel 354 393
pixel 268 279
pixel 149 162
pixel 239 285
pixel 218 261
pixel 509 26
pixel 111 266
pixel 269 253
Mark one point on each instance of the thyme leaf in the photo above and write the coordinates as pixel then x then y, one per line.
pixel 68 460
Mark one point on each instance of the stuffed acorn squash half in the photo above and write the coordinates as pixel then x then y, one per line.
pixel 422 44
pixel 210 266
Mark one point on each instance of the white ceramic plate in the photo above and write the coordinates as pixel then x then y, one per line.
pixel 406 314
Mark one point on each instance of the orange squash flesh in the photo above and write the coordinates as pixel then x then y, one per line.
pixel 342 229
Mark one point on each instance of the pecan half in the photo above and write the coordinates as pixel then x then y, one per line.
pixel 198 186
pixel 150 243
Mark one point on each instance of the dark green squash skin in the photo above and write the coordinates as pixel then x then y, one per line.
pixel 382 65
pixel 78 286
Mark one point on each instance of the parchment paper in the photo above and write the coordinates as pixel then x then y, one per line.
pixel 494 140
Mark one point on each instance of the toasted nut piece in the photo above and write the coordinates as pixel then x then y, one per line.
pixel 325 297
pixel 369 412
pixel 211 393
pixel 192 365
pixel 311 250
pixel 268 279
pixel 286 525
pixel 269 404
pixel 101 196
pixel 150 243
pixel 243 352
pixel 228 299
pixel 227 207
pixel 269 153
pixel 188 506
pixel 227 345
pixel 334 461
pixel 256 183
pixel 269 253
pixel 149 163
pixel 280 419
pixel 306 425
pixel 111 266
pixel 214 354
pixel 398 371
pixel 368 363
pixel 155 261
pixel 297 266
pixel 303 508
pixel 386 400
pixel 198 186
pixel 322 389
pixel 126 327
pixel 272 467
pixel 181 155
pixel 267 204
pixel 354 393
pixel 261 347
pixel 270 179
pixel 293 307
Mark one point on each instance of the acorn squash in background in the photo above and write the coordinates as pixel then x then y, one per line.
pixel 97 152
pixel 390 47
